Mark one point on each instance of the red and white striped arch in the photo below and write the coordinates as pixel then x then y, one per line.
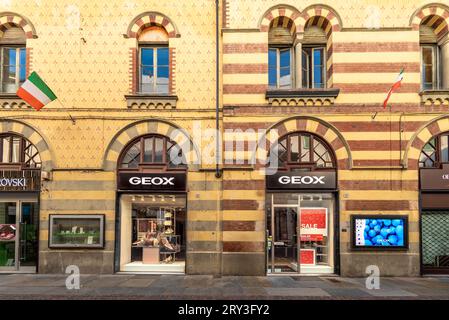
pixel 9 20
pixel 149 19
pixel 435 16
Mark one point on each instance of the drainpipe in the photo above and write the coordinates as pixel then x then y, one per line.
pixel 217 90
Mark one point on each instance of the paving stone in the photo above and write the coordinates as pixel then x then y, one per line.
pixel 390 293
pixel 297 292
pixel 137 283
pixel 345 293
pixel 104 282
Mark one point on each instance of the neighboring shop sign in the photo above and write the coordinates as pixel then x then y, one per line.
pixel 313 224
pixel 301 180
pixel 435 179
pixel 152 181
pixel 23 180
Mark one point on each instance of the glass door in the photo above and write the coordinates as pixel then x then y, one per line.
pixel 28 228
pixel 18 236
pixel 300 235
pixel 284 240
pixel 8 236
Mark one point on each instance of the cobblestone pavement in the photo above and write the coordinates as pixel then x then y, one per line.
pixel 120 286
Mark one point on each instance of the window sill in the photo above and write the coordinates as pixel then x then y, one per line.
pixel 12 101
pixel 438 97
pixel 151 101
pixel 302 97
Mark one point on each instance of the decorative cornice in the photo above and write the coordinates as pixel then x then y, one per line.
pixel 435 97
pixel 12 101
pixel 302 97
pixel 148 101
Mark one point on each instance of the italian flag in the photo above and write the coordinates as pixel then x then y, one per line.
pixel 395 86
pixel 35 92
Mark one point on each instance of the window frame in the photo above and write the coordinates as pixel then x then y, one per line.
pixel 278 49
pixel 310 165
pixel 436 65
pixel 438 152
pixel 18 48
pixel 143 166
pixel 310 79
pixel 22 163
pixel 155 47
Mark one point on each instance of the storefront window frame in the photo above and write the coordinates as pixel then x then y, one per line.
pixel 99 217
pixel 153 166
pixel 310 165
pixel 437 163
pixel 23 163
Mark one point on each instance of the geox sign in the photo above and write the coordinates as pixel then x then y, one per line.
pixel 26 180
pixel 301 180
pixel 152 181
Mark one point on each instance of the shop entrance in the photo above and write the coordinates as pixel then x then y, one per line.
pixel 18 235
pixel 153 233
pixel 300 233
pixel 152 189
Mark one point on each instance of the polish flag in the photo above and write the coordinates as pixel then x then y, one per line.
pixel 395 86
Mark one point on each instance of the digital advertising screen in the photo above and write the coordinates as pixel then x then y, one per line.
pixel 383 232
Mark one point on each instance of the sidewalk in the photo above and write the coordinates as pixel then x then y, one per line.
pixel 20 286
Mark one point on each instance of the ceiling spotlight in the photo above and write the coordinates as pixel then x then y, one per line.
pixel 133 198
pixel 173 198
pixel 162 198
pixel 142 198
pixel 153 198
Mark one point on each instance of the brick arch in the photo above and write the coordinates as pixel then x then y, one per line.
pixel 317 14
pixel 276 13
pixel 144 127
pixel 32 135
pixel 11 19
pixel 149 19
pixel 434 15
pixel 416 143
pixel 324 130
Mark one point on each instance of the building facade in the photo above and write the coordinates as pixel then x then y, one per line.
pixel 314 175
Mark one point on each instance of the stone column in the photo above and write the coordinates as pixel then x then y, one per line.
pixel 298 60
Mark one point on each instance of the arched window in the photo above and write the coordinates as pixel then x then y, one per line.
pixel 18 153
pixel 152 152
pixel 433 42
pixel 12 59
pixel 313 62
pixel 280 53
pixel 435 152
pixel 302 151
pixel 154 64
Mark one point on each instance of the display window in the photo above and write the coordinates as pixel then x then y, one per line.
pixel 75 231
pixel 153 232
pixel 300 228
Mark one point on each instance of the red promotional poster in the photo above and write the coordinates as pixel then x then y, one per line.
pixel 313 224
pixel 307 256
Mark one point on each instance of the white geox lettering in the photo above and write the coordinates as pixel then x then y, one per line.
pixel 301 180
pixel 152 181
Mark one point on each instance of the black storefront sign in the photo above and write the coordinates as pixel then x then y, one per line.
pixel 435 179
pixel 20 180
pixel 152 181
pixel 302 180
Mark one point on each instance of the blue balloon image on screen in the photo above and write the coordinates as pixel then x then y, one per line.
pixel 380 232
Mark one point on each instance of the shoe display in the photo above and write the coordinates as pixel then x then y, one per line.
pixel 169 259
